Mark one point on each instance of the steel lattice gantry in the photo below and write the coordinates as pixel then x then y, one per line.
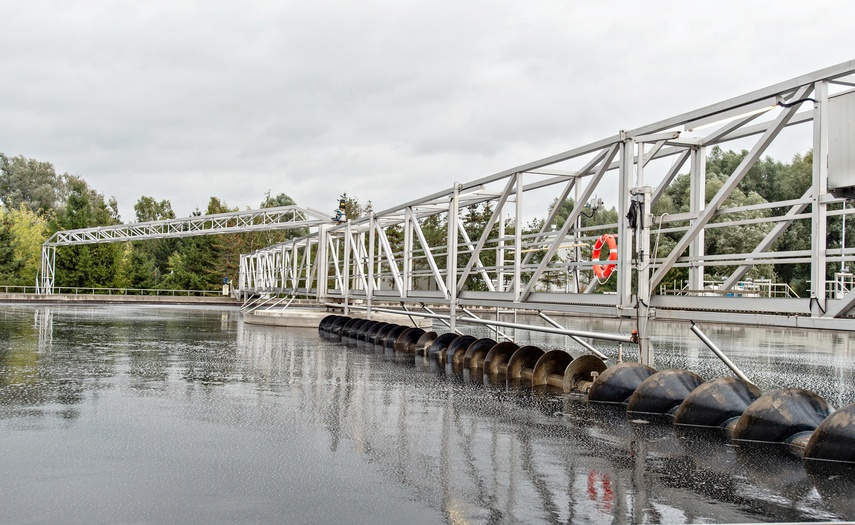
pixel 396 255
pixel 266 219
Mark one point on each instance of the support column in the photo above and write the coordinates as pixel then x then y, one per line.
pixel 408 252
pixel 697 201
pixel 642 196
pixel 819 212
pixel 577 240
pixel 500 252
pixel 345 268
pixel 624 262
pixel 241 273
pixel 451 265
pixel 371 241
pixel 323 262
pixel 518 287
pixel 48 267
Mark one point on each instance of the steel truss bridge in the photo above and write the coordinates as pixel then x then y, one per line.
pixel 266 219
pixel 391 256
pixel 396 257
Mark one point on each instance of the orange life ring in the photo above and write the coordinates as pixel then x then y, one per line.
pixel 604 271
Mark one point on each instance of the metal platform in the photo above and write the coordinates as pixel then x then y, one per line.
pixel 395 255
pixel 426 253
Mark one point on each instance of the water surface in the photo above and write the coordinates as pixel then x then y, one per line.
pixel 121 414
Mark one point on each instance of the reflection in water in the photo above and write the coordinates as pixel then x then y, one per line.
pixel 167 414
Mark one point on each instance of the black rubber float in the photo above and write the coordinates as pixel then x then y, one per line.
pixel 477 351
pixel 581 373
pixel 439 347
pixel 796 417
pixel 393 334
pixel 326 325
pixel 371 333
pixel 663 392
pixel 323 325
pixel 550 368
pixel 521 364
pixel 617 383
pixel 352 329
pixel 380 335
pixel 424 342
pixel 362 333
pixel 345 329
pixel 717 403
pixel 457 350
pixel 406 342
pixel 363 330
pixel 788 415
pixel 338 324
pixel 496 360
pixel 834 438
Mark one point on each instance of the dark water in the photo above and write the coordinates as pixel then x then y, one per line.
pixel 168 415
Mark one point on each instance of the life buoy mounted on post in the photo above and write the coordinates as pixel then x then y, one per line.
pixel 604 271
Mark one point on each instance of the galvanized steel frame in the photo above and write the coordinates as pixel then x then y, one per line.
pixel 265 219
pixel 361 264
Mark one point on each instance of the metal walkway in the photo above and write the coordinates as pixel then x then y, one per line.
pixel 395 256
pixel 266 219
pixel 426 253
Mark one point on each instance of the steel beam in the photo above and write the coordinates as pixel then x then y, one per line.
pixel 728 187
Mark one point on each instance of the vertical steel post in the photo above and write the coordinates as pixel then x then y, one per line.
pixel 624 262
pixel 348 241
pixel 323 262
pixel 308 257
pixel 48 268
pixel 408 252
pixel 451 266
pixel 295 268
pixel 518 287
pixel 843 240
pixel 819 212
pixel 643 262
pixel 371 241
pixel 241 273
pixel 697 201
pixel 577 240
pixel 500 252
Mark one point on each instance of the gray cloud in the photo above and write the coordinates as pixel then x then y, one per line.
pixel 385 100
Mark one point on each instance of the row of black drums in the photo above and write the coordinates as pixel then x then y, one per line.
pixel 793 416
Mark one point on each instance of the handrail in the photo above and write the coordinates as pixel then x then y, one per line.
pixel 92 290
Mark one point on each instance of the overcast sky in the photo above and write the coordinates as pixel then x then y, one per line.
pixel 387 101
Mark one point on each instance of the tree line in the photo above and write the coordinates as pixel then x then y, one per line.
pixel 36 202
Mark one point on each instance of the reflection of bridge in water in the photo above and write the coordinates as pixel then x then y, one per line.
pixel 481 452
pixel 470 447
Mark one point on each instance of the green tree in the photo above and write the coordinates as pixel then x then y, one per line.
pixel 147 262
pixel 30 183
pixel 198 264
pixel 148 209
pixel 93 265
pixel 24 232
pixel 10 265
